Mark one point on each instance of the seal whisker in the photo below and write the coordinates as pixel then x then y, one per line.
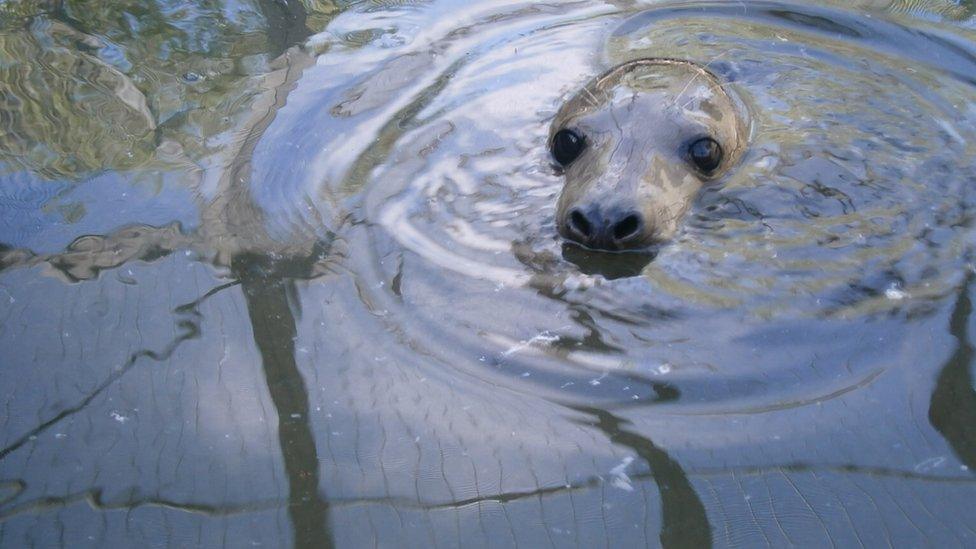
pixel 718 86
pixel 685 89
pixel 592 98
pixel 703 70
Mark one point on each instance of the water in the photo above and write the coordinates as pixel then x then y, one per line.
pixel 287 274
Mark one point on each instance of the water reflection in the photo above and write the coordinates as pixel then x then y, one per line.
pixel 285 23
pixel 684 522
pixel 609 265
pixel 264 276
pixel 952 410
pixel 104 88
pixel 271 302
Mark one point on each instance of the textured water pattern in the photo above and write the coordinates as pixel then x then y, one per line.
pixel 286 273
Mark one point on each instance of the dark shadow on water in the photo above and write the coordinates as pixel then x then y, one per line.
pixel 285 23
pixel 684 522
pixel 269 305
pixel 611 265
pixel 952 410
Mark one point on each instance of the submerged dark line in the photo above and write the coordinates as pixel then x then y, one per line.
pixel 93 497
pixel 192 331
pixel 789 405
pixel 191 306
pixel 841 469
pixel 16 487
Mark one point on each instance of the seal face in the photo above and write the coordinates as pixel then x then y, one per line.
pixel 635 146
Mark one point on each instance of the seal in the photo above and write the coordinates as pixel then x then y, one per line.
pixel 635 146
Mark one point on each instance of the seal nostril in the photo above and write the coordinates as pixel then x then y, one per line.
pixel 627 227
pixel 580 224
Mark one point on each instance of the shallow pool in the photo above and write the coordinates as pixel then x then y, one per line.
pixel 287 274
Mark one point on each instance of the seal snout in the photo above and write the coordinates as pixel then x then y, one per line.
pixel 606 228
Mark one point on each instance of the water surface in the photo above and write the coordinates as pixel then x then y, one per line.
pixel 287 274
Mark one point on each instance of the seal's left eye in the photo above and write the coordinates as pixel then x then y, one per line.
pixel 567 145
pixel 706 154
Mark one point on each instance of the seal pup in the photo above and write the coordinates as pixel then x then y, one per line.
pixel 635 146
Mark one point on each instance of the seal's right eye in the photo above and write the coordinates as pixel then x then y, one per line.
pixel 567 145
pixel 706 154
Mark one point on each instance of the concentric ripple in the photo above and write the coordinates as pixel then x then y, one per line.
pixel 849 214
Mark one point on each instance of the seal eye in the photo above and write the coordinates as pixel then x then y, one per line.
pixel 567 145
pixel 706 154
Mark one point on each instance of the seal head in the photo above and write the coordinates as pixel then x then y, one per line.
pixel 636 144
